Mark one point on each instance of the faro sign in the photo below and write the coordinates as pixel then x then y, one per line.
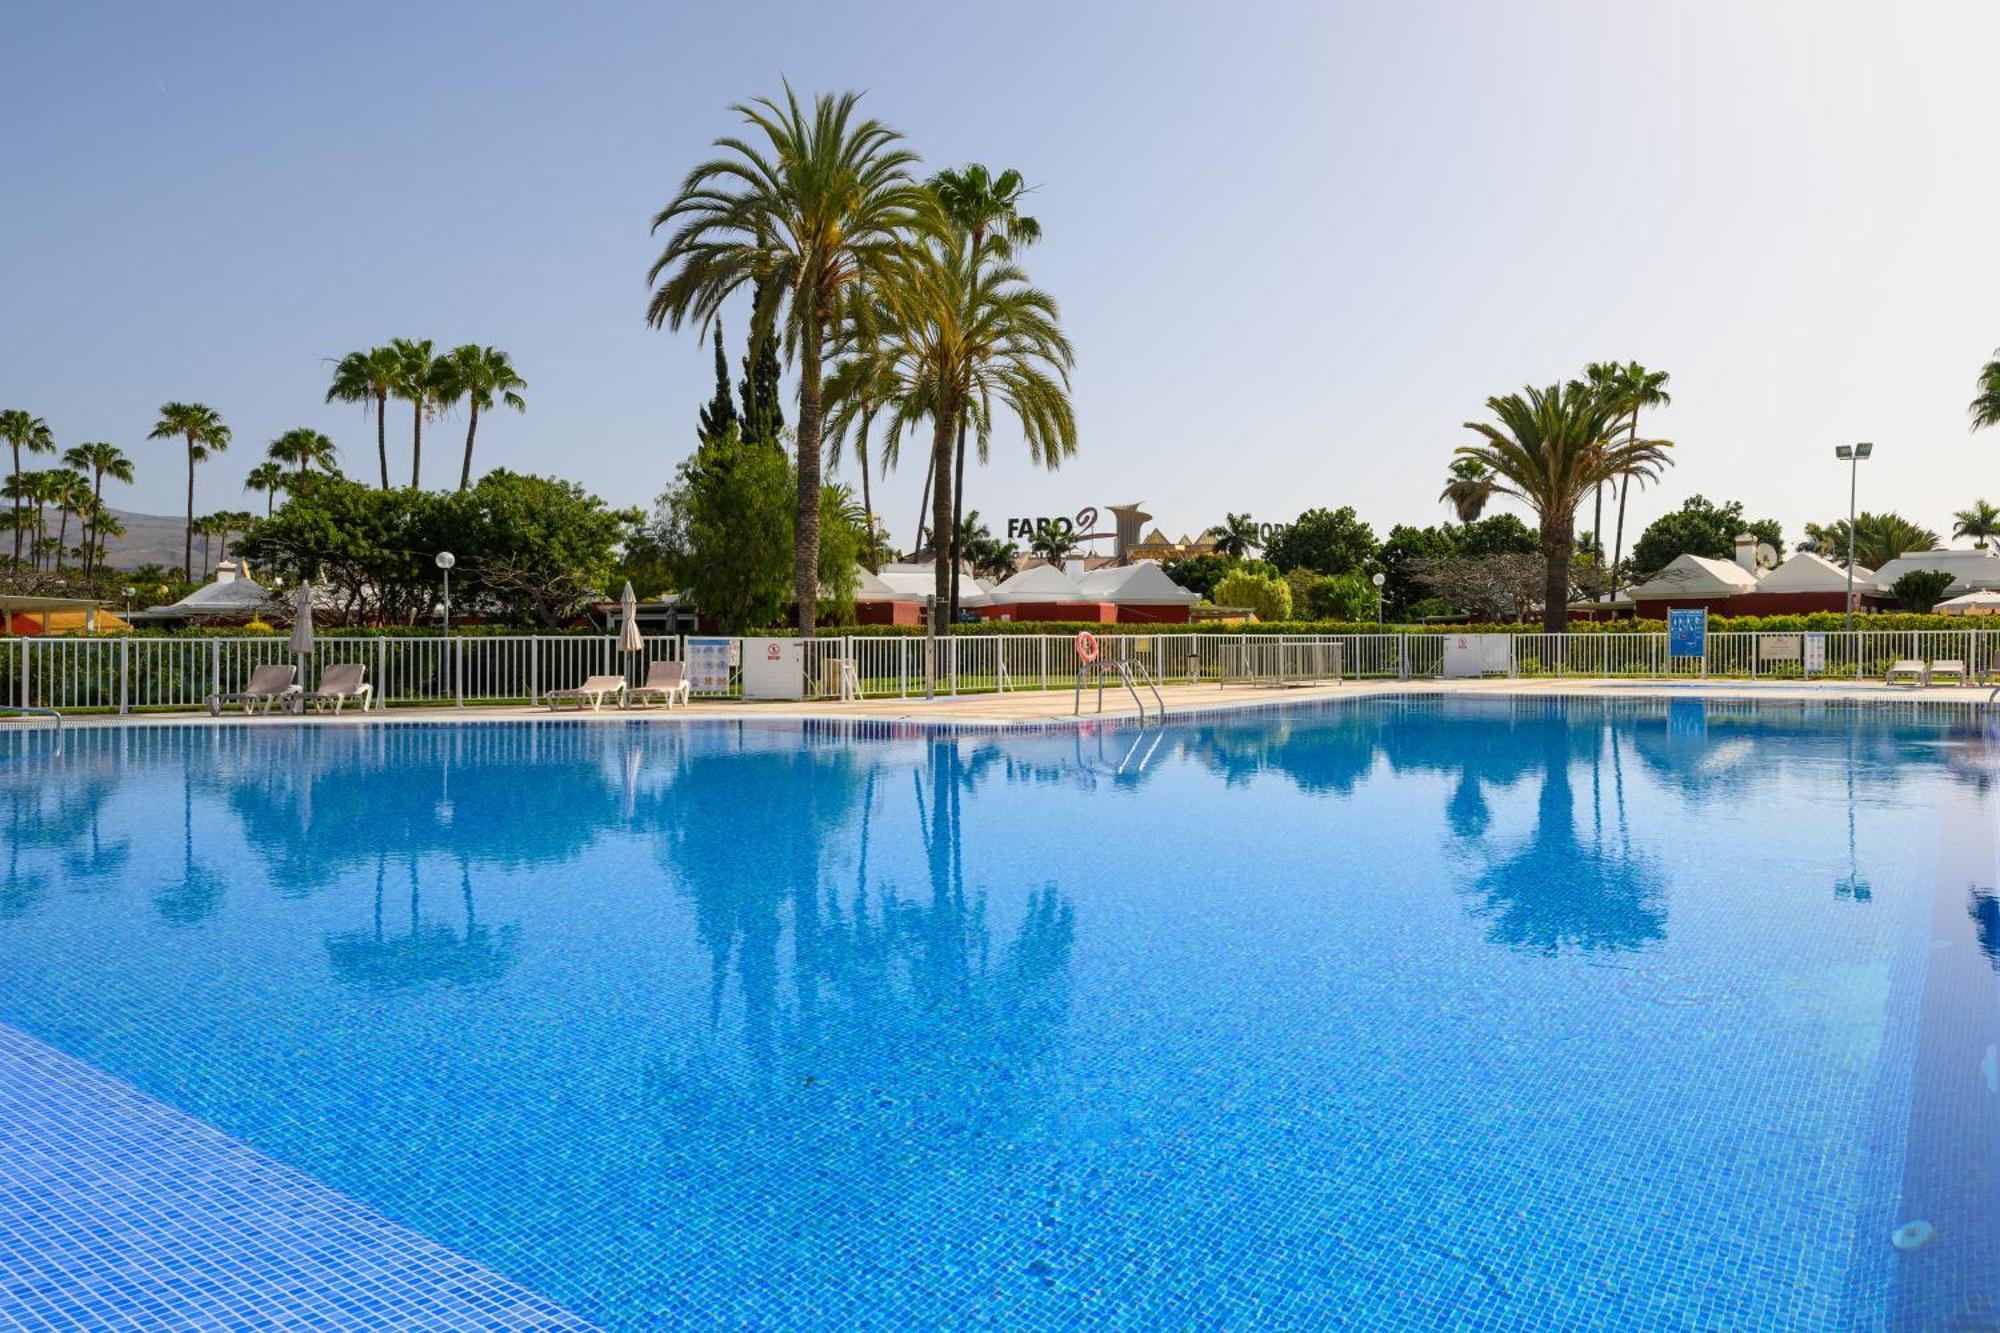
pixel 1082 527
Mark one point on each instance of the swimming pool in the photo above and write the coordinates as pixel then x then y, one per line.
pixel 1396 1012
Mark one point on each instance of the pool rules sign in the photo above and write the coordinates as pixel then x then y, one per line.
pixel 1687 632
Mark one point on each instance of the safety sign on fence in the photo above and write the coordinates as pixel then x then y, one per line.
pixel 708 664
pixel 1687 632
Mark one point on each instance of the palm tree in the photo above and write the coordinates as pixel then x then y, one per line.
pixel 100 460
pixel 1637 387
pixel 482 376
pixel 1981 522
pixel 986 209
pixel 1469 489
pixel 31 493
pixel 960 336
pixel 1985 406
pixel 203 429
pixel 817 210
pixel 369 378
pixel 420 382
pixel 1880 538
pixel 1054 544
pixel 302 448
pixel 857 388
pixel 1547 449
pixel 103 524
pixel 23 431
pixel 270 478
pixel 1236 536
pixel 69 491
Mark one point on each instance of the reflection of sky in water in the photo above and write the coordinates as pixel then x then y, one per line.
pixel 1351 1010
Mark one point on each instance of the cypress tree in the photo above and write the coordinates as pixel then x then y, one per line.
pixel 720 412
pixel 763 406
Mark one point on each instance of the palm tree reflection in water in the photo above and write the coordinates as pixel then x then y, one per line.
pixel 892 994
pixel 425 952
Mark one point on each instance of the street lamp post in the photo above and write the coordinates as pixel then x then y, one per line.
pixel 1852 456
pixel 445 560
pixel 1378 580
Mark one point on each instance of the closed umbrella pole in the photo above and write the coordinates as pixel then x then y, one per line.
pixel 628 622
pixel 302 625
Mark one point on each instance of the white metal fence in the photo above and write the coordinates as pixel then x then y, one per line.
pixel 128 673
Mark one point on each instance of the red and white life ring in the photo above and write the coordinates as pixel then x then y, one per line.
pixel 1086 647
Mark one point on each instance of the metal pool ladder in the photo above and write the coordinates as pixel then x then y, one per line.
pixel 26 711
pixel 1124 669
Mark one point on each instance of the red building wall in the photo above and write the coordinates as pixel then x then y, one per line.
pixel 1103 613
pixel 1152 615
pixel 888 613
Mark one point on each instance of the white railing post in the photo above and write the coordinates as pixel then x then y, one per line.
pixel 124 676
pixel 215 666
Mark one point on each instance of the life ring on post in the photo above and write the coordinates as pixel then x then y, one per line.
pixel 1086 647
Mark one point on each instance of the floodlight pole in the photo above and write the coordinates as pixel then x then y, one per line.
pixel 445 560
pixel 1853 454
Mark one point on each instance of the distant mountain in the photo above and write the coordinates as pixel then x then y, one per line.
pixel 151 539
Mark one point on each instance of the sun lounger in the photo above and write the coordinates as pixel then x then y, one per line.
pixel 1908 666
pixel 1947 666
pixel 593 691
pixel 338 685
pixel 268 686
pixel 665 681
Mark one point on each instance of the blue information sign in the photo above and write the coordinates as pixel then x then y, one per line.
pixel 1687 633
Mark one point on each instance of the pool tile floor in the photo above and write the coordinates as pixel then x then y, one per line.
pixel 117 1211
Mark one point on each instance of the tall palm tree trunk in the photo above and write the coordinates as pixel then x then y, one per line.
pixel 416 444
pixel 1558 545
pixel 471 426
pixel 805 528
pixel 1618 548
pixel 867 498
pixel 96 508
pixel 382 433
pixel 187 554
pixel 17 504
pixel 62 534
pixel 924 506
pixel 941 506
pixel 957 518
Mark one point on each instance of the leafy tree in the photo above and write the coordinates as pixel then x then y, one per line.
pixel 201 426
pixel 98 460
pixel 1198 573
pixel 1326 541
pixel 1981 522
pixel 1548 448
pixel 530 549
pixel 1266 596
pixel 1496 588
pixel 421 378
pixel 819 210
pixel 1331 596
pixel 1497 534
pixel 301 448
pixel 1985 405
pixel 1236 536
pixel 1920 589
pixel 1469 490
pixel 482 377
pixel 23 432
pixel 369 378
pixel 1699 527
pixel 719 413
pixel 1407 551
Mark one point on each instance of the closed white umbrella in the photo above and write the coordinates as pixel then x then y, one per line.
pixel 628 617
pixel 302 625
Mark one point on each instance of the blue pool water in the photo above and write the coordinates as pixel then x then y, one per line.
pixel 1403 1012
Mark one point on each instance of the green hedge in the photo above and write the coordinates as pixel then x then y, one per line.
pixel 1818 620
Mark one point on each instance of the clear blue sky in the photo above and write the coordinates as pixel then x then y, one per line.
pixel 1296 245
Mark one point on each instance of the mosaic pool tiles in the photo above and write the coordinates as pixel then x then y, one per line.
pixel 1399 1014
pixel 119 1212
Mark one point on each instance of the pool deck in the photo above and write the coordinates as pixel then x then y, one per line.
pixel 1054 707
